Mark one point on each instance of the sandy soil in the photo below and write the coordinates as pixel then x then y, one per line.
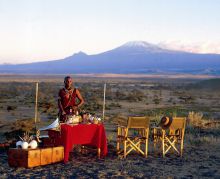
pixel 200 160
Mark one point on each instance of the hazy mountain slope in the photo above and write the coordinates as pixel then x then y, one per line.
pixel 132 57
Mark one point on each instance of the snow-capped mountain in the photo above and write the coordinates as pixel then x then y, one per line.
pixel 137 47
pixel 131 57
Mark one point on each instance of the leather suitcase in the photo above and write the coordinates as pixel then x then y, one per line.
pixel 24 158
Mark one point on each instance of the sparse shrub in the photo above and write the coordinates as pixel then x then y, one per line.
pixel 115 105
pixel 10 108
pixel 187 99
pixel 199 140
pixel 18 127
pixel 120 95
pixel 156 101
pixel 170 100
pixel 119 119
pixel 195 118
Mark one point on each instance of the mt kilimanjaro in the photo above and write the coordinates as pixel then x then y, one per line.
pixel 132 57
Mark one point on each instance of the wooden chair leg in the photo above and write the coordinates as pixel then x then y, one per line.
pixel 146 147
pixel 154 140
pixel 118 146
pixel 181 150
pixel 163 147
pixel 155 146
pixel 139 146
pixel 125 147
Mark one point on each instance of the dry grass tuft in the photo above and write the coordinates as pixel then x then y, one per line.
pixel 120 119
pixel 18 128
pixel 24 124
pixel 196 119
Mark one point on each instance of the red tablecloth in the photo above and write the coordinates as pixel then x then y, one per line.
pixel 85 134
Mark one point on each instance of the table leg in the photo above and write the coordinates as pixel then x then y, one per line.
pixel 99 152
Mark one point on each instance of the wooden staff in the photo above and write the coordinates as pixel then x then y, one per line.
pixel 103 114
pixel 36 97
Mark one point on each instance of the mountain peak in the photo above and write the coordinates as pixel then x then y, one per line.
pixel 137 44
pixel 80 54
pixel 141 47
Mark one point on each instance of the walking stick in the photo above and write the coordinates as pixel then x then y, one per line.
pixel 36 97
pixel 103 114
pixel 36 116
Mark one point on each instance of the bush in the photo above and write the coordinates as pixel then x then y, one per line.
pixel 195 118
pixel 10 108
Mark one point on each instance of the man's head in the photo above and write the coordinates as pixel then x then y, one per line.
pixel 68 81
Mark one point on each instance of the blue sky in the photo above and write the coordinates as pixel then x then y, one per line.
pixel 38 30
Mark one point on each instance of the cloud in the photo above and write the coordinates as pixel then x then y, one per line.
pixel 195 47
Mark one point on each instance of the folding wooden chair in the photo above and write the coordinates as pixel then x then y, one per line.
pixel 133 135
pixel 172 137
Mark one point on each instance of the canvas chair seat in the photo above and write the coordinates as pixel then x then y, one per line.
pixel 131 137
pixel 171 138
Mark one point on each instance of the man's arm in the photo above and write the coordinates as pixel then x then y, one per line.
pixel 81 100
pixel 60 104
pixel 61 107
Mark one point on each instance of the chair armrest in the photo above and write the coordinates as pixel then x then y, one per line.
pixel 156 127
pixel 177 133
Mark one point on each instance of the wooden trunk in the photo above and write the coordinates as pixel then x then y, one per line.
pixel 34 157
pixel 24 158
pixel 57 154
pixel 46 156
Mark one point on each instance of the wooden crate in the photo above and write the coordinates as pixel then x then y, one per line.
pixel 24 158
pixel 46 156
pixel 34 157
pixel 57 154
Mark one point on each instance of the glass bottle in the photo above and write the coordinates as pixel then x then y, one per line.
pixel 71 111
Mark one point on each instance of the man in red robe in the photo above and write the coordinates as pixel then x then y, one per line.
pixel 70 99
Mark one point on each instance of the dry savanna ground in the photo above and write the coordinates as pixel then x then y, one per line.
pixel 198 99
